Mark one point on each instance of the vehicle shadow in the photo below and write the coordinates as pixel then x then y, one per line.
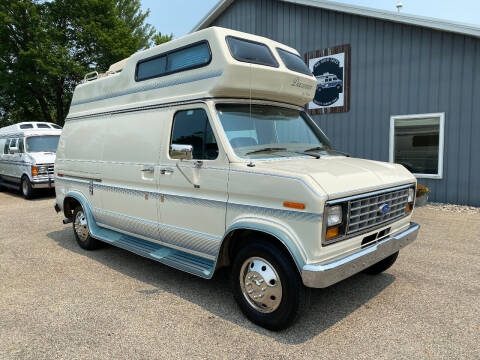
pixel 328 306
pixel 39 194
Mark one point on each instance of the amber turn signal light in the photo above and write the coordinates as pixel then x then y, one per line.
pixel 34 171
pixel 409 208
pixel 332 232
pixel 294 205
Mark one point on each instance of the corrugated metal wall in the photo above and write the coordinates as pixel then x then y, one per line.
pixel 396 69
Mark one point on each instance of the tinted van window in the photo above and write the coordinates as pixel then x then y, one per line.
pixel 293 62
pixel 191 127
pixel 191 57
pixel 251 52
pixel 46 143
pixel 21 145
pixel 152 68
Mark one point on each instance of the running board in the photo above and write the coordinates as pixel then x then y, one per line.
pixel 10 185
pixel 175 258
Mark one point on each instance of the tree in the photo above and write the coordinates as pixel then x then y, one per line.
pixel 47 47
pixel 161 38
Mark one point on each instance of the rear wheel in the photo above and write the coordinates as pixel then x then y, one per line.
pixel 267 286
pixel 26 187
pixel 382 265
pixel 80 229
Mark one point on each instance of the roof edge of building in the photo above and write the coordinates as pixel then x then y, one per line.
pixel 416 20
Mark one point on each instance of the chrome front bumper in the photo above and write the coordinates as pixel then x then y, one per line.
pixel 48 183
pixel 324 274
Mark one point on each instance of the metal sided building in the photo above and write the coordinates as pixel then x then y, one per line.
pixel 390 87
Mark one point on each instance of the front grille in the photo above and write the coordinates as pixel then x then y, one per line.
pixel 50 170
pixel 364 213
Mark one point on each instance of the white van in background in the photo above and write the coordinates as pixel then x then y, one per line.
pixel 27 156
pixel 199 154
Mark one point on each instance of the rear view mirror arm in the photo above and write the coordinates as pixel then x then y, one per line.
pixel 196 186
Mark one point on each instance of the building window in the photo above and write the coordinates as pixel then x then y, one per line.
pixel 416 142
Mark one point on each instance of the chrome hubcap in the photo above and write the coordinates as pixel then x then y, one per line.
pixel 261 285
pixel 81 228
pixel 24 187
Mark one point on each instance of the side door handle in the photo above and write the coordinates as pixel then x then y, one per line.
pixel 166 171
pixel 147 169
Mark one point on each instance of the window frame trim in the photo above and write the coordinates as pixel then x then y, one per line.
pixel 166 53
pixel 279 49
pixel 309 120
pixel 172 125
pixel 441 140
pixel 277 64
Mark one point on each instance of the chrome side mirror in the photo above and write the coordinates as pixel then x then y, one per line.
pixel 13 150
pixel 181 151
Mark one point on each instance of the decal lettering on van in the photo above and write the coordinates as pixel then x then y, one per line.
pixel 296 82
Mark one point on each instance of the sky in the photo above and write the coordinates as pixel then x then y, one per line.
pixel 180 16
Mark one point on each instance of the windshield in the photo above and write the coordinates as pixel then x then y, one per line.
pixel 47 143
pixel 264 131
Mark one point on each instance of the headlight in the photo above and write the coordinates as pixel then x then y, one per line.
pixel 334 215
pixel 411 195
pixel 42 169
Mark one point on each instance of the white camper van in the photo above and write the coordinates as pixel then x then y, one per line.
pixel 27 156
pixel 199 154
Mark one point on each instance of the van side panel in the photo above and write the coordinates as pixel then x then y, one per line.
pixel 257 197
pixel 193 217
pixel 78 158
pixel 129 173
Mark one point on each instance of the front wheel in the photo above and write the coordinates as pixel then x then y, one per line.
pixel 26 187
pixel 382 265
pixel 267 286
pixel 80 229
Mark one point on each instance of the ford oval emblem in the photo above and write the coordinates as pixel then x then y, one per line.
pixel 384 208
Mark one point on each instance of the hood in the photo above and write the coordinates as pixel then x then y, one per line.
pixel 42 157
pixel 341 176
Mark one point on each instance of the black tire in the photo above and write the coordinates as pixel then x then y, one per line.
pixel 294 295
pixel 80 229
pixel 382 265
pixel 26 188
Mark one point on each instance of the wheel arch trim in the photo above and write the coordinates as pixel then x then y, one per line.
pixel 92 225
pixel 278 231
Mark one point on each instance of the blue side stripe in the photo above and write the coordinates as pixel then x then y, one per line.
pixel 321 196
pixel 157 224
pixel 278 212
pixel 157 85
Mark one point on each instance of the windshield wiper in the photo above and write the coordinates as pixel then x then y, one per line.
pixel 266 149
pixel 316 156
pixel 321 148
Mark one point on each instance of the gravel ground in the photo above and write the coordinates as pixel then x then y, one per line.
pixel 453 208
pixel 58 301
